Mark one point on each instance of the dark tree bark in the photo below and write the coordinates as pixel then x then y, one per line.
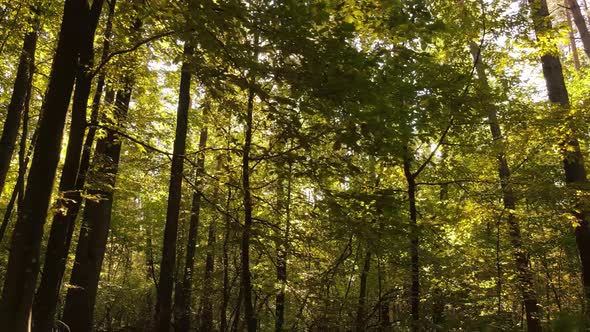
pixel 414 245
pixel 284 205
pixel 23 262
pixel 184 297
pixel 207 308
pixel 525 276
pixel 361 324
pixel 246 283
pixel 62 226
pixel 225 259
pixel 80 300
pixel 166 283
pixel 572 38
pixel 19 187
pixel 573 160
pixel 18 99
pixel 580 22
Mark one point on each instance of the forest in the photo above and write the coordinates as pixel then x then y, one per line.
pixel 294 165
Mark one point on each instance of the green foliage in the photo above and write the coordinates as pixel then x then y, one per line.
pixel 345 92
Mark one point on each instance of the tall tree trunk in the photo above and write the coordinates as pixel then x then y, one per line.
pixel 246 282
pixel 573 160
pixel 18 99
pixel 284 204
pixel 225 260
pixel 62 227
pixel 207 309
pixel 23 262
pixel 184 297
pixel 361 324
pixel 525 276
pixel 19 187
pixel 80 300
pixel 164 306
pixel 572 38
pixel 414 245
pixel 580 24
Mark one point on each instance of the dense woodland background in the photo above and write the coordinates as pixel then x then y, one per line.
pixel 294 165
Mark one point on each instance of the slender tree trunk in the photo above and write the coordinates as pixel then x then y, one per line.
pixel 18 99
pixel 90 252
pixel 246 283
pixel 164 306
pixel 572 38
pixel 225 259
pixel 62 226
pixel 284 204
pixel 185 295
pixel 149 252
pixel 23 262
pixel 573 160
pixel 207 308
pixel 580 24
pixel 361 324
pixel 525 276
pixel 414 246
pixel 19 187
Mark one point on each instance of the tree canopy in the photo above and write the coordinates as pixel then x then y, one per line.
pixel 294 165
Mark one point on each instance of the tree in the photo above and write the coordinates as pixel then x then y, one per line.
pixel 525 275
pixel 573 159
pixel 166 284
pixel 22 82
pixel 62 226
pixel 23 265
pixel 90 251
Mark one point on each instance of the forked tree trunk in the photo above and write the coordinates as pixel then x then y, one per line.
pixel 573 160
pixel 23 261
pixel 62 226
pixel 572 39
pixel 19 187
pixel 80 299
pixel 525 275
pixel 184 296
pixel 20 91
pixel 580 22
pixel 166 283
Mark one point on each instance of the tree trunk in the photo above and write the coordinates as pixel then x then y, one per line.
pixel 18 99
pixel 361 324
pixel 284 204
pixel 525 276
pixel 414 246
pixel 572 38
pixel 185 296
pixel 208 290
pixel 225 259
pixel 19 187
pixel 166 283
pixel 573 160
pixel 580 24
pixel 246 283
pixel 62 226
pixel 80 300
pixel 23 262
